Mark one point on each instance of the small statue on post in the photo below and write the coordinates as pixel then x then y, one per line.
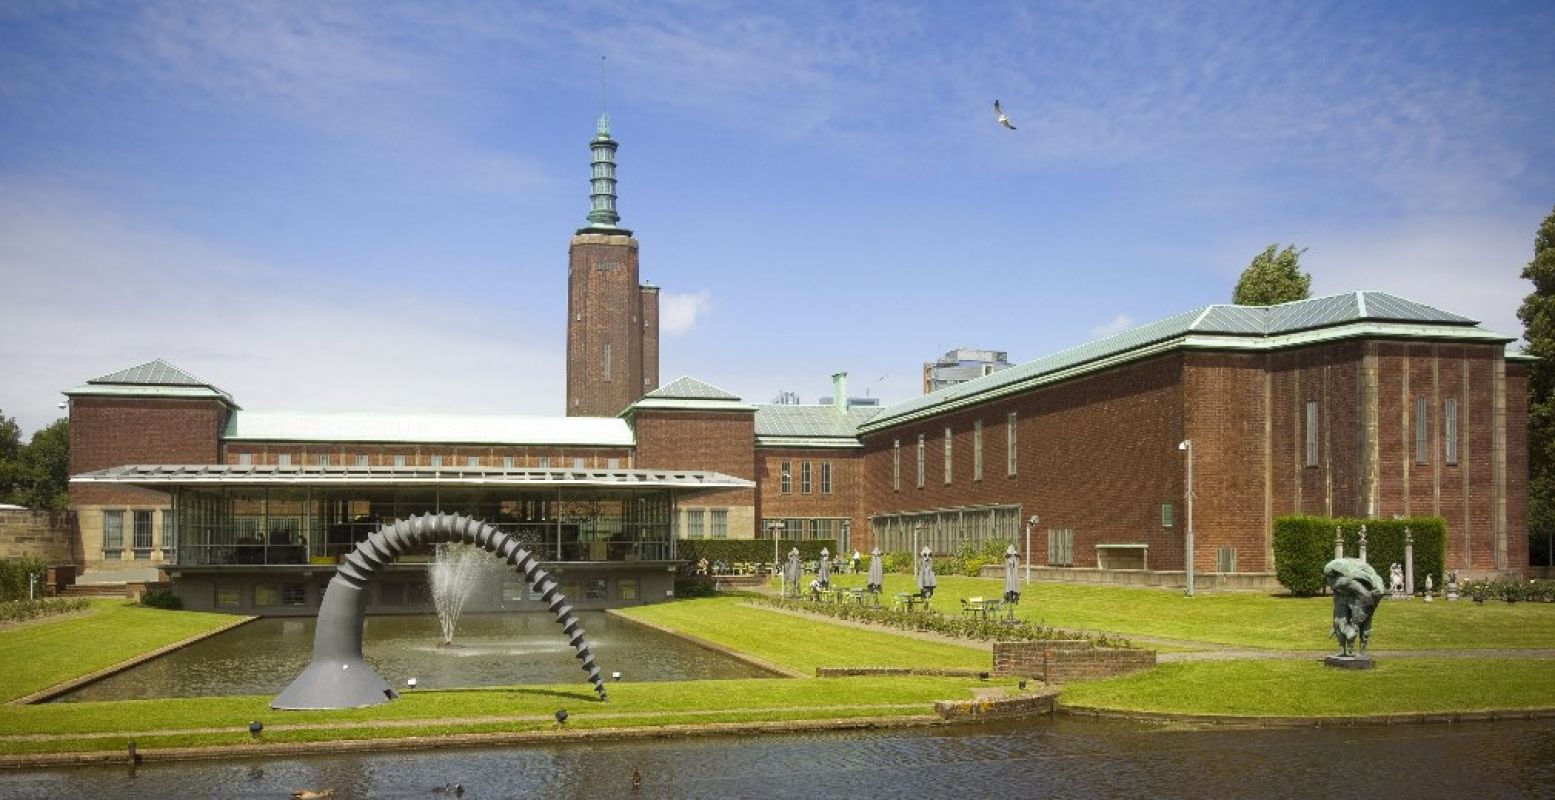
pixel 1396 581
pixel 1357 590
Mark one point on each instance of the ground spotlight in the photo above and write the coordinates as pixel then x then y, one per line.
pixel 615 676
pixel 561 716
pixel 255 728
pixel 410 684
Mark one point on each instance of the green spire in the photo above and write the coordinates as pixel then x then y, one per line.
pixel 602 182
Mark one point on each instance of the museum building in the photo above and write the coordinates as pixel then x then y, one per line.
pixel 1361 404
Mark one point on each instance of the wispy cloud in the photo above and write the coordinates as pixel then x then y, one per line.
pixel 1119 324
pixel 679 312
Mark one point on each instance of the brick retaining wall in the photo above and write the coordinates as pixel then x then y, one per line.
pixel 37 534
pixel 1060 660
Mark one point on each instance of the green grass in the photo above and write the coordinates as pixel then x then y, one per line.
pixel 802 644
pixel 1255 620
pixel 1308 688
pixel 43 653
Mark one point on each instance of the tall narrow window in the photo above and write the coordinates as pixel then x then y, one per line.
pixel 142 534
pixel 437 461
pixel 472 461
pixel 321 459
pixel 399 461
pixel 245 459
pixel 507 462
pixel 1166 515
pixel 1010 443
pixel 825 477
pixel 804 477
pixel 361 461
pixel 607 362
pixel 113 533
pixel 977 450
pixel 948 459
pixel 545 462
pixel 1422 432
pixel 284 459
pixel 787 477
pixel 720 523
pixel 920 460
pixel 896 465
pixel 1450 420
pixel 694 522
pixel 1311 433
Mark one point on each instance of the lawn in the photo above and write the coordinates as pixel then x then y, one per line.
pixel 111 631
pixel 1255 620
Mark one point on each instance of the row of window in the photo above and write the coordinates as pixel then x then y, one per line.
pixel 1011 453
pixel 139 526
pixel 806 485
pixel 1422 429
pixel 703 523
pixel 804 528
pixel 415 593
pixel 401 460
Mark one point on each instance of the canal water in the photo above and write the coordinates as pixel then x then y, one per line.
pixel 264 656
pixel 1056 757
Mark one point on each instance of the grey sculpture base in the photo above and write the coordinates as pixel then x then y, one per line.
pixel 1350 662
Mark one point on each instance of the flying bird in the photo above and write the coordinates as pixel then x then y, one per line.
pixel 1004 119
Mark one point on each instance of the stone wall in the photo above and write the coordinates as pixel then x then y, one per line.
pixel 1058 661
pixel 49 536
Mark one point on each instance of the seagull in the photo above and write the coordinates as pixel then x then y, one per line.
pixel 1004 119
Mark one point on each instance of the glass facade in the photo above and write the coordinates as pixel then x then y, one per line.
pixel 259 526
pixel 945 531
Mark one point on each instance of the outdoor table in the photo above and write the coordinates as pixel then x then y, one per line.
pixel 909 600
pixel 856 595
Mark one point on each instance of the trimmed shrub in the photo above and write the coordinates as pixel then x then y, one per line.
pixel 14 574
pixel 18 610
pixel 1302 545
pixel 752 550
pixel 944 625
pixel 162 597
pixel 1511 591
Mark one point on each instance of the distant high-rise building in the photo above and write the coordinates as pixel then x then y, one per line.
pixel 961 365
pixel 612 319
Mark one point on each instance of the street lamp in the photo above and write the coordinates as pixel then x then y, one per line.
pixel 775 527
pixel 1187 446
pixel 1030 523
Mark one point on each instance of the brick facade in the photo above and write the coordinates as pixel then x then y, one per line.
pixel 607 329
pixel 841 502
pixel 718 441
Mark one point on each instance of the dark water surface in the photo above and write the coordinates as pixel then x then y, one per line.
pixel 262 657
pixel 1035 759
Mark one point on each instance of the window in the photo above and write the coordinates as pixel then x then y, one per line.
pixel 228 596
pixel 626 588
pixel 694 521
pixel 472 461
pixel 920 460
pixel 1060 547
pixel 1166 515
pixel 607 362
pixel 825 477
pixel 169 534
pixel 399 461
pixel 1422 430
pixel 977 450
pixel 720 523
pixel 113 533
pixel 437 461
pixel 507 462
pixel 294 594
pixel 246 459
pixel 1450 419
pixel 804 477
pixel 896 465
pixel 1311 433
pixel 269 594
pixel 578 462
pixel 947 453
pixel 361 461
pixel 1010 444
pixel 545 462
pixel 1225 559
pixel 284 459
pixel 613 463
pixel 142 534
pixel 787 477
pixel 594 589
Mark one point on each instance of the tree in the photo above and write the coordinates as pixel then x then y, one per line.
pixel 42 469
pixel 1538 316
pixel 10 450
pixel 1274 276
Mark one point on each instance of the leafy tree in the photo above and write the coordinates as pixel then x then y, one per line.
pixel 1274 276
pixel 1538 316
pixel 10 450
pixel 43 469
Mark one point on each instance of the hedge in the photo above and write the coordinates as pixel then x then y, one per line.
pixel 752 550
pixel 13 577
pixel 1302 545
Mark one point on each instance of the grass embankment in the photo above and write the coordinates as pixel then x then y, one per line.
pixel 38 654
pixel 1250 619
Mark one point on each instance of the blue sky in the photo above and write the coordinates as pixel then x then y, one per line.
pixel 334 206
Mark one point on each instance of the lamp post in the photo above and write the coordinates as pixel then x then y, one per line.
pixel 916 526
pixel 1030 523
pixel 775 527
pixel 1187 447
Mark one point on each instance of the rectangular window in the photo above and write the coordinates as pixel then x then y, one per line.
pixel 1422 432
pixel 977 450
pixel 437 461
pixel 607 362
pixel 228 596
pixel 825 477
pixel 920 460
pixel 399 461
pixel 579 463
pixel 594 589
pixel 246 459
pixel 322 459
pixel 1311 433
pixel 694 523
pixel 1166 515
pixel 507 462
pixel 267 594
pixel 1060 547
pixel 787 477
pixel 804 477
pixel 169 534
pixel 284 459
pixel 545 462
pixel 361 461
pixel 1010 445
pixel 720 523
pixel 1225 559
pixel 948 440
pixel 1450 419
pixel 294 594
pixel 626 588
pixel 472 461
pixel 896 465
pixel 113 533
pixel 142 534
pixel 613 463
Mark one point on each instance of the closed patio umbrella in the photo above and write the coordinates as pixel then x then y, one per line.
pixel 1011 575
pixel 926 579
pixel 823 572
pixel 876 571
pixel 793 573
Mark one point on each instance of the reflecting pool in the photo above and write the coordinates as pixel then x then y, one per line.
pixel 262 657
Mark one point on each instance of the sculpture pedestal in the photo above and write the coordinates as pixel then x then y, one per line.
pixel 1350 662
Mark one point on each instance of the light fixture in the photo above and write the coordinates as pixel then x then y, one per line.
pixel 410 684
pixel 561 716
pixel 615 676
pixel 255 728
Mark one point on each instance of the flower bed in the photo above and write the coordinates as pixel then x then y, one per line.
pixel 987 630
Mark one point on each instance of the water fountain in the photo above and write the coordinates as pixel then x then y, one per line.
pixel 454 572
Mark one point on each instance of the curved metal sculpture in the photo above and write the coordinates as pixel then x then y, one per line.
pixel 338 677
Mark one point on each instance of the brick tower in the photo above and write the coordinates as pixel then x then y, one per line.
pixel 612 320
